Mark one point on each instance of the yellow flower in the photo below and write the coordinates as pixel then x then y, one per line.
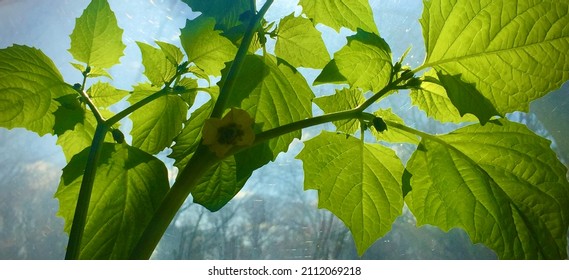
pixel 234 129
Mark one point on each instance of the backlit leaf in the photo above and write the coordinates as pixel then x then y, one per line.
pixel 157 67
pixel 97 39
pixel 105 95
pixel 29 85
pixel 360 183
pixel 393 134
pixel 365 62
pixel 513 52
pixel 500 182
pixel 352 14
pixel 206 47
pixel 156 124
pixel 344 99
pixel 129 186
pixel 433 99
pixel 300 44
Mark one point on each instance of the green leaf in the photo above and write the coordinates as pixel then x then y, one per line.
pixel 172 52
pixel 97 39
pixel 105 95
pixel 300 44
pixel 433 99
pixel 157 67
pixel 512 51
pixel 129 186
pixel 500 182
pixel 226 13
pixel 274 94
pixel 29 85
pixel 344 99
pixel 206 47
pixel 352 14
pixel 219 185
pixel 330 75
pixel 360 183
pixel 365 62
pixel 156 124
pixel 95 71
pixel 187 141
pixel 393 134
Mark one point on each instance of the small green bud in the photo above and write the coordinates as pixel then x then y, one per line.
pixel 77 86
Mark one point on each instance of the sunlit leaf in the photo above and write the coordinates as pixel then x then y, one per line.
pixel 157 67
pixel 105 95
pixel 129 186
pixel 29 85
pixel 300 44
pixel 393 134
pixel 352 14
pixel 513 52
pixel 360 183
pixel 365 63
pixel 206 47
pixel 219 185
pixel 433 99
pixel 97 39
pixel 500 182
pixel 156 124
pixel 344 99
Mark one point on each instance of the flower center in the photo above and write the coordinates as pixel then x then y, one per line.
pixel 229 134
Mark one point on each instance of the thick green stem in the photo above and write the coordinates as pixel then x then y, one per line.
pixel 185 183
pixel 80 217
pixel 237 63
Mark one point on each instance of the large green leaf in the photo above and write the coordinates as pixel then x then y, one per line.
pixel 129 186
pixel 499 182
pixel 512 51
pixel 97 39
pixel 219 185
pixel 158 66
pixel 227 13
pixel 352 14
pixel 156 124
pixel 433 99
pixel 344 99
pixel 360 183
pixel 274 94
pixel 29 85
pixel 206 47
pixel 365 62
pixel 300 44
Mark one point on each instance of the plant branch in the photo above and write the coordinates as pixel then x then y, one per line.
pixel 237 63
pixel 80 216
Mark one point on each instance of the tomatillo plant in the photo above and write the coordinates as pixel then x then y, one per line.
pixel 493 178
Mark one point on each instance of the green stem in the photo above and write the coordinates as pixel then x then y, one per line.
pixel 237 63
pixel 124 113
pixel 201 161
pixel 356 113
pixel 80 217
